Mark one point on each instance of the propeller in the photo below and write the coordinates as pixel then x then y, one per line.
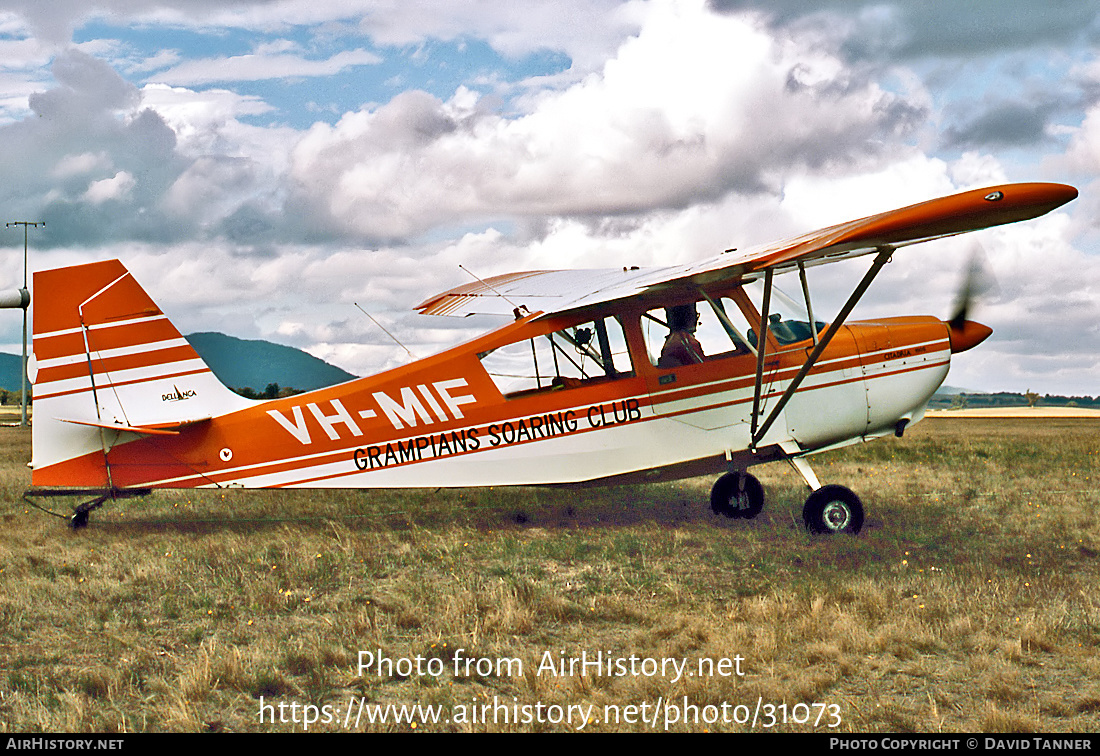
pixel 977 281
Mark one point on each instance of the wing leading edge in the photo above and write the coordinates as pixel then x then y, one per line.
pixel 556 291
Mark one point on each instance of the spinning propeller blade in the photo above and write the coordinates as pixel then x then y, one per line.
pixel 977 281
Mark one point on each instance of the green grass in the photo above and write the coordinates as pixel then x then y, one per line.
pixel 970 602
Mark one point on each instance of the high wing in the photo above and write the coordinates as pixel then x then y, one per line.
pixel 556 291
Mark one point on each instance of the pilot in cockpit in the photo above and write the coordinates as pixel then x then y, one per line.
pixel 681 347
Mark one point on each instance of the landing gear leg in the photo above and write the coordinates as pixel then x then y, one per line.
pixel 737 495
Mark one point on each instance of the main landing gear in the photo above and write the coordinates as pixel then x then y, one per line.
pixel 829 509
pixel 737 495
pixel 833 509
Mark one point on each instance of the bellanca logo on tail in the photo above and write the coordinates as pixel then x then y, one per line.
pixel 178 396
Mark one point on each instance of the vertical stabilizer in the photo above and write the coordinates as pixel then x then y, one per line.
pixel 108 367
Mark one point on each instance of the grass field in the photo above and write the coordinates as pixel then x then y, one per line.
pixel 970 602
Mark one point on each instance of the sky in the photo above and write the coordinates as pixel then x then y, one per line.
pixel 267 167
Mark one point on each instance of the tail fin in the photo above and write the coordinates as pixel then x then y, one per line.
pixel 108 367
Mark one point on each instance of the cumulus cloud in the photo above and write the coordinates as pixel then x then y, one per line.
pixel 1084 150
pixel 87 86
pixel 694 107
pixel 263 65
pixel 588 31
pixel 1004 124
pixel 100 160
pixel 114 188
pixel 585 30
pixel 911 30
pixel 88 141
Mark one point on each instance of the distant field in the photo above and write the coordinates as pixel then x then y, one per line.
pixel 971 601
pixel 1019 413
pixel 10 414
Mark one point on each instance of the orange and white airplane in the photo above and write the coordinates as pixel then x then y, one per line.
pixel 602 376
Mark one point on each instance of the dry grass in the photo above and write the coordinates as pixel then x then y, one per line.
pixel 971 601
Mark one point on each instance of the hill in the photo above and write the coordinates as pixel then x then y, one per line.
pixel 9 372
pixel 241 363
pixel 238 363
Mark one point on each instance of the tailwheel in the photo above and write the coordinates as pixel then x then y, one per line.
pixel 737 495
pixel 833 509
pixel 79 519
pixel 80 514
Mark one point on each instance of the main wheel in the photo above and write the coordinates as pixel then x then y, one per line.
pixel 737 496
pixel 833 509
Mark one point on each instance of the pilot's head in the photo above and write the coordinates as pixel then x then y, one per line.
pixel 682 317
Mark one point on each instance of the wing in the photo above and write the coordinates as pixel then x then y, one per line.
pixel 555 291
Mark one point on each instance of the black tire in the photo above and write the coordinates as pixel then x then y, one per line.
pixel 833 509
pixel 737 496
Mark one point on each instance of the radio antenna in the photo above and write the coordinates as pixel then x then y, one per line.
pixel 515 308
pixel 395 339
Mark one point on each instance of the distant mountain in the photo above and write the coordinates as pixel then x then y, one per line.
pixel 237 363
pixel 952 390
pixel 10 372
pixel 240 363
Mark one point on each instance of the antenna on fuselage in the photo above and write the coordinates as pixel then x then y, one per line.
pixel 395 339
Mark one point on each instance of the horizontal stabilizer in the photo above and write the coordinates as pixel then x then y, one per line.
pixel 167 429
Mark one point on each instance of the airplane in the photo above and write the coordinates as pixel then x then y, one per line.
pixel 607 376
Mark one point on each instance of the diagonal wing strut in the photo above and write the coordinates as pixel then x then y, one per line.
pixel 882 256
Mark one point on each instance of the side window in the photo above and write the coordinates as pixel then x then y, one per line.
pixel 573 356
pixel 686 334
pixel 788 321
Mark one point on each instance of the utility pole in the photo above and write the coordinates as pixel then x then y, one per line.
pixel 25 300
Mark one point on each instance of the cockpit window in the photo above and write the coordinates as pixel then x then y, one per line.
pixel 577 355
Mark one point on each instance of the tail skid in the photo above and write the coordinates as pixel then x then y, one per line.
pixel 108 368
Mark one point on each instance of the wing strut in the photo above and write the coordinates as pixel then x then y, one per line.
pixel 761 348
pixel 882 256
pixel 809 305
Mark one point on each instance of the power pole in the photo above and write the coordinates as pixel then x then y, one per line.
pixel 25 300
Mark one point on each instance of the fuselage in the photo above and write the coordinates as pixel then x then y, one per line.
pixel 446 421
